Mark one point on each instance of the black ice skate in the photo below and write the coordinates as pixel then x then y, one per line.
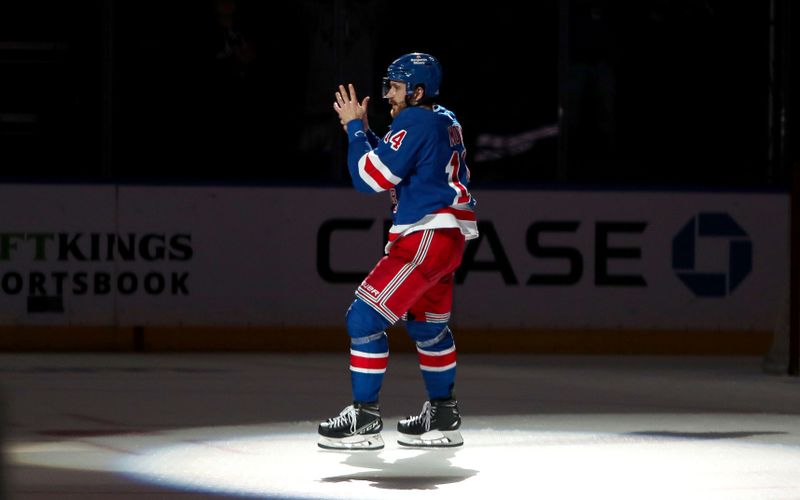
pixel 357 427
pixel 436 427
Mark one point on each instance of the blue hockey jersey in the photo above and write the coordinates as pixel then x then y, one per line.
pixel 421 161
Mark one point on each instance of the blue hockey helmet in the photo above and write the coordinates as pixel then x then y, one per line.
pixel 415 69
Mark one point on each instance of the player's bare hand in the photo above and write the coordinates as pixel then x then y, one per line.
pixel 364 104
pixel 348 108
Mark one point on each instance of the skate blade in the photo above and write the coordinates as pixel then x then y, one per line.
pixel 432 439
pixel 359 442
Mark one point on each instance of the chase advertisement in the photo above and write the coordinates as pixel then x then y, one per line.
pixel 166 255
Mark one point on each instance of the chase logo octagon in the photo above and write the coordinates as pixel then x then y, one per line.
pixel 698 231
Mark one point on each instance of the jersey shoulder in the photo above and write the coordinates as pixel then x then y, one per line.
pixel 424 119
pixel 444 113
pixel 413 117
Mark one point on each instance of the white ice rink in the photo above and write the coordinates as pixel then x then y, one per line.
pixel 228 426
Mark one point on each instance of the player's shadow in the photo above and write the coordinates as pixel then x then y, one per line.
pixel 707 435
pixel 423 471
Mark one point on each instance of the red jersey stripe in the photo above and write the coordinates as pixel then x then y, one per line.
pixel 373 172
pixel 371 363
pixel 437 361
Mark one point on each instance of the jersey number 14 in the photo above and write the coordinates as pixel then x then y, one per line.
pixel 453 166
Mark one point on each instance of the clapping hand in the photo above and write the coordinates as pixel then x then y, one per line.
pixel 348 108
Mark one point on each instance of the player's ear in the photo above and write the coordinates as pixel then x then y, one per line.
pixel 419 93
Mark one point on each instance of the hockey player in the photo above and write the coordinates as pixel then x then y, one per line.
pixel 420 161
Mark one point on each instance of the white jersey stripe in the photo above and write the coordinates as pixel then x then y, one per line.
pixel 383 169
pixel 469 228
pixel 362 172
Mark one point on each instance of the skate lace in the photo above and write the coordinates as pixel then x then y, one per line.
pixel 347 416
pixel 424 418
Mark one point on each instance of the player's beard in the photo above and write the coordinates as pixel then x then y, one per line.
pixel 397 107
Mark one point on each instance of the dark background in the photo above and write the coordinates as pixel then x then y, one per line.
pixel 652 92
